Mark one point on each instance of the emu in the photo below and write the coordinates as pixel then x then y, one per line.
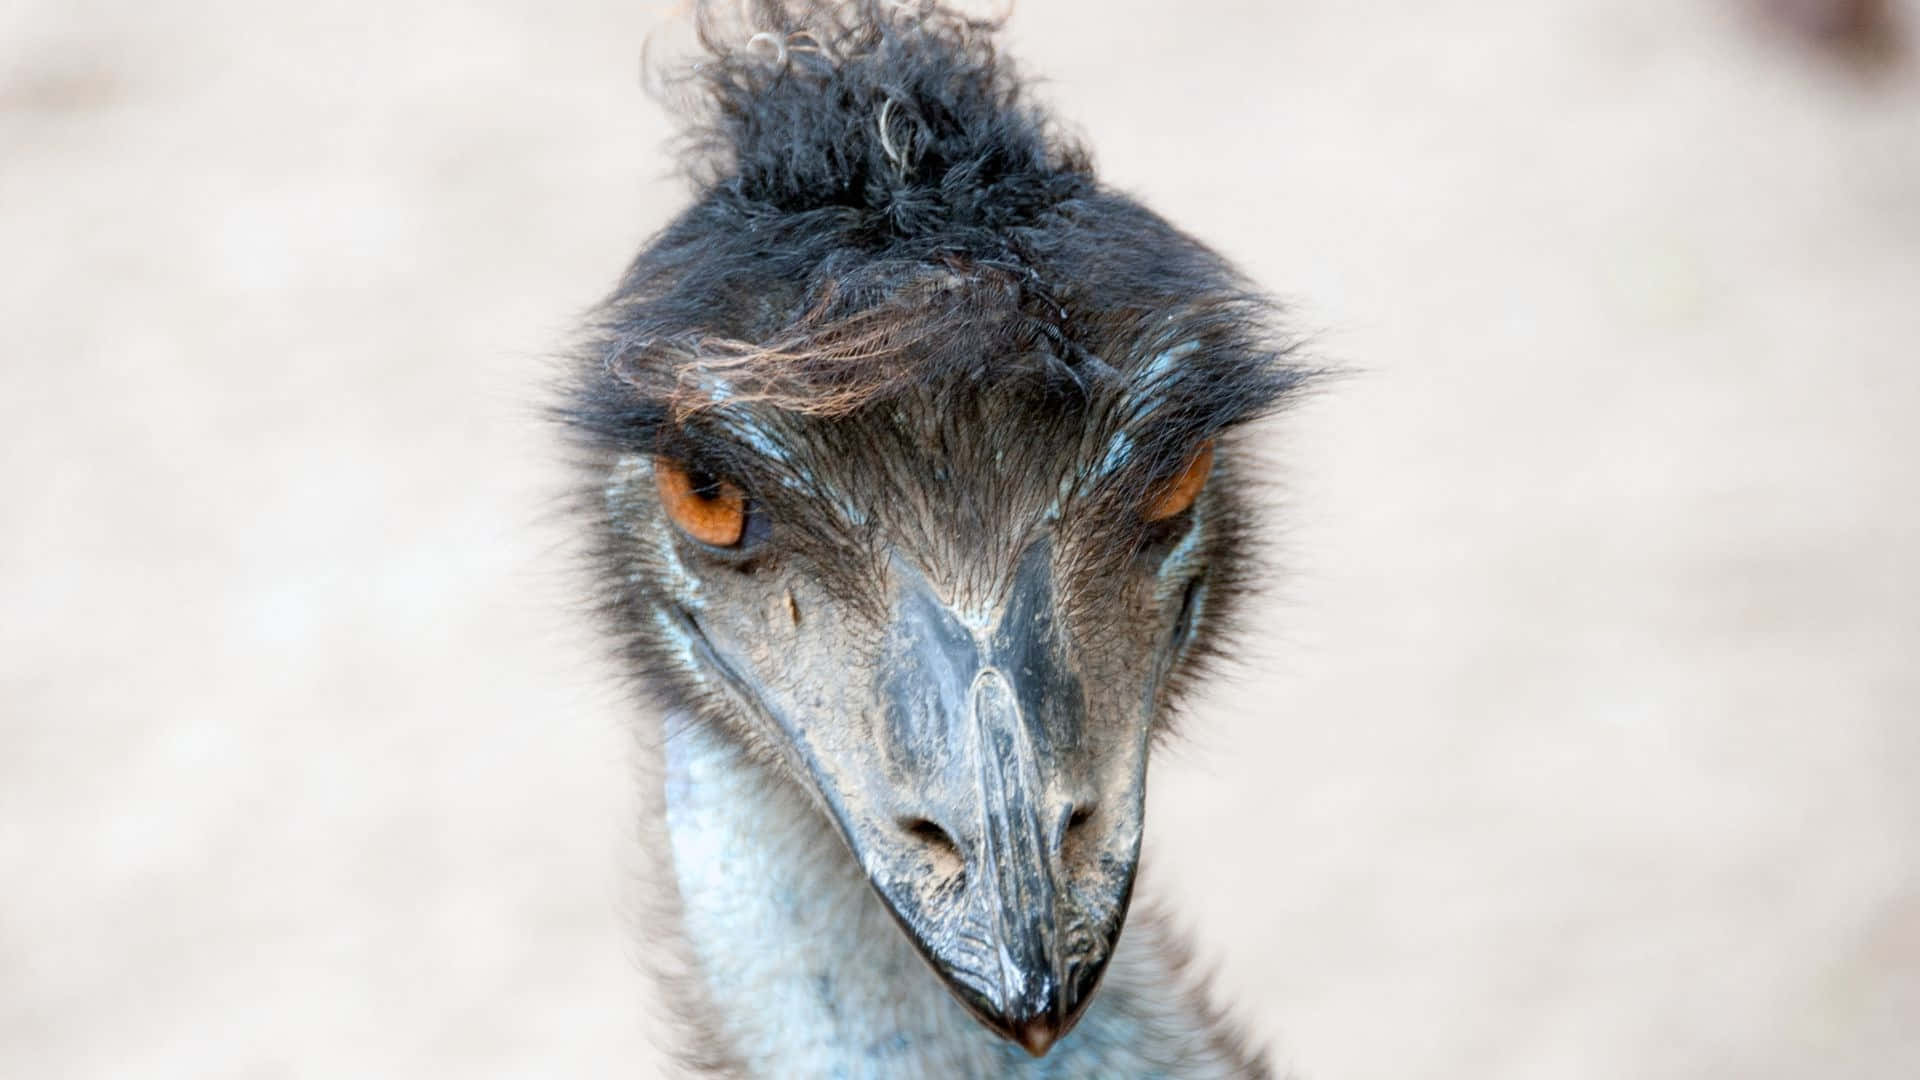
pixel 916 472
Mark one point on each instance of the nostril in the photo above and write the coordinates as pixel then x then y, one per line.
pixel 1067 827
pixel 942 851
pixel 927 832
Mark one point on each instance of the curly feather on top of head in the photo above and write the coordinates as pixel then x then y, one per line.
pixel 902 110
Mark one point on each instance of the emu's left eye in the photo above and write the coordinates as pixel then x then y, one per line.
pixel 1179 492
pixel 705 507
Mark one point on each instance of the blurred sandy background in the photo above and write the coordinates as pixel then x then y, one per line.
pixel 1580 741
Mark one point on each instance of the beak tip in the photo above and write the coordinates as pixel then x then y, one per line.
pixel 1037 1036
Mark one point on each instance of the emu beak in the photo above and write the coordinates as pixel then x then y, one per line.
pixel 996 814
pixel 998 829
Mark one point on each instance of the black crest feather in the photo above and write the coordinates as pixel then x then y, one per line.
pixel 902 116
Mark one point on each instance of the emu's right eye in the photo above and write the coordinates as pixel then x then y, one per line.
pixel 705 507
pixel 1181 490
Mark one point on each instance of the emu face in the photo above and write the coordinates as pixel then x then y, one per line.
pixel 952 616
pixel 913 450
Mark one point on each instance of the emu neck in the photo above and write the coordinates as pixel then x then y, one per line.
pixel 807 975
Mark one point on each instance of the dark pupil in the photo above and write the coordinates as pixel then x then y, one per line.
pixel 705 485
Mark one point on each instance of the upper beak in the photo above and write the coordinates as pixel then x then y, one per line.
pixel 1001 835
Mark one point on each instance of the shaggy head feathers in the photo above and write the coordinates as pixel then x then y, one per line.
pixel 900 113
pixel 875 200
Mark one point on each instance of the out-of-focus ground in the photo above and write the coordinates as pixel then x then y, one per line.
pixel 1580 740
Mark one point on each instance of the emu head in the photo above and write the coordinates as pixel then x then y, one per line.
pixel 914 457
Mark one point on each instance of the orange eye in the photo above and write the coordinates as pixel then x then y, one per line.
pixel 707 508
pixel 1180 492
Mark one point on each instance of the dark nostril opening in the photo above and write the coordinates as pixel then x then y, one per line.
pixel 929 833
pixel 944 853
pixel 1067 829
